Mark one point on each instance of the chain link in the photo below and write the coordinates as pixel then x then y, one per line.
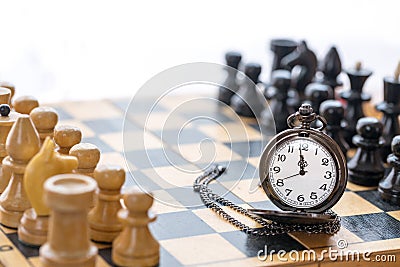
pixel 214 202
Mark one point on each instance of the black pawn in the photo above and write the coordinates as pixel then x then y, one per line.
pixel 390 107
pixel 366 167
pixel 316 93
pixel 248 101
pixel 333 112
pixel 355 98
pixel 389 187
pixel 281 48
pixel 307 61
pixel 279 104
pixel 230 85
pixel 331 67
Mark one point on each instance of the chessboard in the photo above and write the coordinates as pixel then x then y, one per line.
pixel 179 144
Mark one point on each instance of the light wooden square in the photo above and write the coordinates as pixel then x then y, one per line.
pixel 92 110
pixel 231 132
pixel 201 249
pixel 207 152
pixel 353 204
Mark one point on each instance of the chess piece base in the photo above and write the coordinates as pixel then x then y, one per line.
pixel 365 179
pixel 51 259
pixel 123 260
pixel 10 219
pixel 389 196
pixel 33 229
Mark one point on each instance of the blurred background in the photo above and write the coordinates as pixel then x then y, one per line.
pixel 68 50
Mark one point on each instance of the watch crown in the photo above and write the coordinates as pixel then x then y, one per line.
pixel 305 109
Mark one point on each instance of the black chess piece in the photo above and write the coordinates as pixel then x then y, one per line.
pixel 307 61
pixel 281 48
pixel 390 107
pixel 280 107
pixel 248 101
pixel 316 93
pixel 366 167
pixel 333 112
pixel 389 186
pixel 331 67
pixel 355 98
pixel 230 85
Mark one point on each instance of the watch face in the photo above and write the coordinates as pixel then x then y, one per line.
pixel 302 173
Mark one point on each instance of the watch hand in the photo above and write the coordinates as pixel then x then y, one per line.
pixel 293 175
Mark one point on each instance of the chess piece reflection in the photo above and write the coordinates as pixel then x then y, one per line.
pixel 389 186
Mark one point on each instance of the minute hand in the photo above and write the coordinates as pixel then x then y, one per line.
pixel 291 176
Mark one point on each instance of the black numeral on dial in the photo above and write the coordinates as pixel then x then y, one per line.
pixel 313 195
pixel 288 191
pixel 300 198
pixel 279 182
pixel 281 157
pixel 323 187
pixel 277 169
pixel 328 175
pixel 290 149
pixel 325 161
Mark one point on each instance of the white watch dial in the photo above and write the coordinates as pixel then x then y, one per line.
pixel 302 173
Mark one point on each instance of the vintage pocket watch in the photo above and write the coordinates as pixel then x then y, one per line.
pixel 302 171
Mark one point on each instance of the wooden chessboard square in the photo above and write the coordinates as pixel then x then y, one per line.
pixel 206 152
pixel 247 189
pixel 179 136
pixel 373 197
pixel 165 203
pixel 352 204
pixel 237 170
pixel 114 158
pixel 372 227
pixel 264 204
pixel 311 241
pixel 138 178
pixel 173 176
pixel 152 158
pixel 202 249
pixel 91 110
pixel 104 147
pixel 86 131
pixel 250 246
pixel 131 140
pixel 189 198
pixel 231 132
pixel 178 225
pixel 219 224
pixel 247 149
pixel 156 121
pixel 101 126
pixel 395 214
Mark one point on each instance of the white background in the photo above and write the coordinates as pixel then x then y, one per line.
pixel 62 50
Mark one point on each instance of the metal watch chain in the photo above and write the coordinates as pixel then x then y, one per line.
pixel 214 202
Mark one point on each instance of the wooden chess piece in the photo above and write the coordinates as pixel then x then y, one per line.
pixel 68 245
pixel 333 112
pixel 9 86
pixel 307 61
pixel 331 67
pixel 44 119
pixel 22 144
pixel 280 107
pixel 103 220
pixel 230 86
pixel 34 222
pixel 135 245
pixel 390 107
pixel 88 156
pixel 25 104
pixel 248 101
pixel 66 136
pixel 281 48
pixel 389 186
pixel 7 120
pixel 316 93
pixel 354 98
pixel 366 167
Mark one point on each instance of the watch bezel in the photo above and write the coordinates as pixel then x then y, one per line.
pixel 329 144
